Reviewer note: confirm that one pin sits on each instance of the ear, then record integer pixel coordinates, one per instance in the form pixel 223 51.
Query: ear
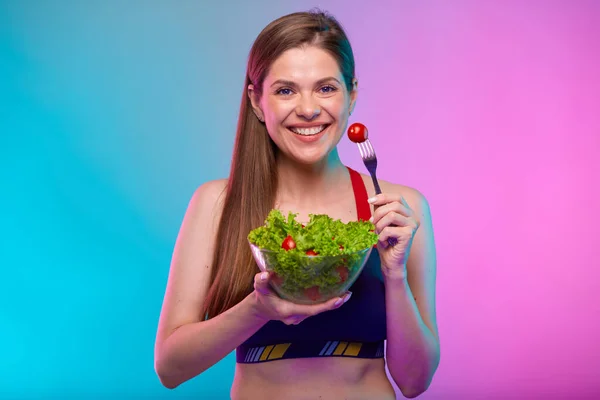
pixel 255 103
pixel 353 95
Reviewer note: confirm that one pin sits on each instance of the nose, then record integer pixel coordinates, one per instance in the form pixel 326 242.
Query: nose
pixel 308 108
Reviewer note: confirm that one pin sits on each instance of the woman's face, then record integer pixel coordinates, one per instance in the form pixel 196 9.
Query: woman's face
pixel 304 103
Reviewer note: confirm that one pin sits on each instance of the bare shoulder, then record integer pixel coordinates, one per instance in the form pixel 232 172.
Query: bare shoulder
pixel 200 224
pixel 204 210
pixel 209 196
pixel 415 199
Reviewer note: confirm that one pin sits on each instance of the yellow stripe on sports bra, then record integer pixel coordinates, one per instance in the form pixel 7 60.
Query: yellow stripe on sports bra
pixel 266 353
pixel 353 349
pixel 339 350
pixel 278 351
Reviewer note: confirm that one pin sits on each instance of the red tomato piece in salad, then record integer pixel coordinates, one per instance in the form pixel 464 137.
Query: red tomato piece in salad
pixel 288 243
pixel 312 293
pixel 276 279
pixel 343 272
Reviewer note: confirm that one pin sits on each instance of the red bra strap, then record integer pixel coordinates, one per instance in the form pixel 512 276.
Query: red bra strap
pixel 363 208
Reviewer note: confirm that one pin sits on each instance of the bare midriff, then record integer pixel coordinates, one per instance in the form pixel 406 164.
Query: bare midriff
pixel 332 378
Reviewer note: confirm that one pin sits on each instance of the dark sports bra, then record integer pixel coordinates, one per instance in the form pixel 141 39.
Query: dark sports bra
pixel 356 329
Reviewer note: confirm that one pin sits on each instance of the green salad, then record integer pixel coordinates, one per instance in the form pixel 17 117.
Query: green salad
pixel 314 260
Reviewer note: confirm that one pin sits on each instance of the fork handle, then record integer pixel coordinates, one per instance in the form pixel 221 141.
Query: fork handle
pixel 375 183
pixel 391 241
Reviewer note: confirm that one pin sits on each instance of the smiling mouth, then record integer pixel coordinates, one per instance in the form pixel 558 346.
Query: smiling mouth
pixel 315 130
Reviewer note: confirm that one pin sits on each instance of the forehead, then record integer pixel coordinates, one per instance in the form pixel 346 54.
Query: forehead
pixel 304 64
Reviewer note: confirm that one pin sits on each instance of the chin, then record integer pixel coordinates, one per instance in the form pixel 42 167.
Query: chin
pixel 311 158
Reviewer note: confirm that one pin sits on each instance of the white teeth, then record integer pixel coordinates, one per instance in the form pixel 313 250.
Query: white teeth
pixel 308 131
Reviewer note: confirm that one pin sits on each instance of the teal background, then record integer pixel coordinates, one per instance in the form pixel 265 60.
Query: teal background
pixel 112 113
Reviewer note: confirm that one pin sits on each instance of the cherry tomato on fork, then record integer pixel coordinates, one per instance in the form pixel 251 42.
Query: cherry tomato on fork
pixel 358 133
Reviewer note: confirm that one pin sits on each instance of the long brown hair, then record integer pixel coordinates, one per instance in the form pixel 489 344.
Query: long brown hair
pixel 252 184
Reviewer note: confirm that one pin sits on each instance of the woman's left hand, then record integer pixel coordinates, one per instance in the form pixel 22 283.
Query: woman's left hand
pixel 393 218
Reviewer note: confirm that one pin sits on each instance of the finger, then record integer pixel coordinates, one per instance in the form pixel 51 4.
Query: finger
pixel 403 201
pixel 261 283
pixel 392 219
pixel 331 304
pixel 398 233
pixel 395 206
pixel 384 198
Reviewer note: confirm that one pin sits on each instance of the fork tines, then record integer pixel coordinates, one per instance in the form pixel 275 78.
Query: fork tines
pixel 367 152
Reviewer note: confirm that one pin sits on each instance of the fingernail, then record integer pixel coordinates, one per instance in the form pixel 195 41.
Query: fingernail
pixel 372 200
pixel 371 219
pixel 347 297
pixel 338 302
pixel 264 276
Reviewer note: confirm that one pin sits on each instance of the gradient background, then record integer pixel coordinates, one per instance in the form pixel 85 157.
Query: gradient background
pixel 112 113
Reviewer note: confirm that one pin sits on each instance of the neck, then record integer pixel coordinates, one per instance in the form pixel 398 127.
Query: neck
pixel 310 184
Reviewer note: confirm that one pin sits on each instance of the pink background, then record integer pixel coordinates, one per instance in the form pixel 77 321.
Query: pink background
pixel 491 109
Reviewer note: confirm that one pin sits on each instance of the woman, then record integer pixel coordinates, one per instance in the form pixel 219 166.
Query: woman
pixel 300 89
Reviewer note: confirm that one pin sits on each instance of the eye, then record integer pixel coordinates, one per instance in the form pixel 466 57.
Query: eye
pixel 328 89
pixel 284 91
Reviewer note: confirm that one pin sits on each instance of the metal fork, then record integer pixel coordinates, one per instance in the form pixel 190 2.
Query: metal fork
pixel 367 153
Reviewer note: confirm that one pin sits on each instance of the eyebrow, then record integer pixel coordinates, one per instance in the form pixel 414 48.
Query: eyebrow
pixel 285 82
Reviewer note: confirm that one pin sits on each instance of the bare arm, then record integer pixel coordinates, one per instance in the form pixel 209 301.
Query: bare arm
pixel 195 347
pixel 185 346
pixel 413 350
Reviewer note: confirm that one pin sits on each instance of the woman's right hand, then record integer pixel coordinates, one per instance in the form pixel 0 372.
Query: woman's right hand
pixel 270 306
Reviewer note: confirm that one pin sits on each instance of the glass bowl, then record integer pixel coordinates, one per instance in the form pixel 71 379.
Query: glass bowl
pixel 308 279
